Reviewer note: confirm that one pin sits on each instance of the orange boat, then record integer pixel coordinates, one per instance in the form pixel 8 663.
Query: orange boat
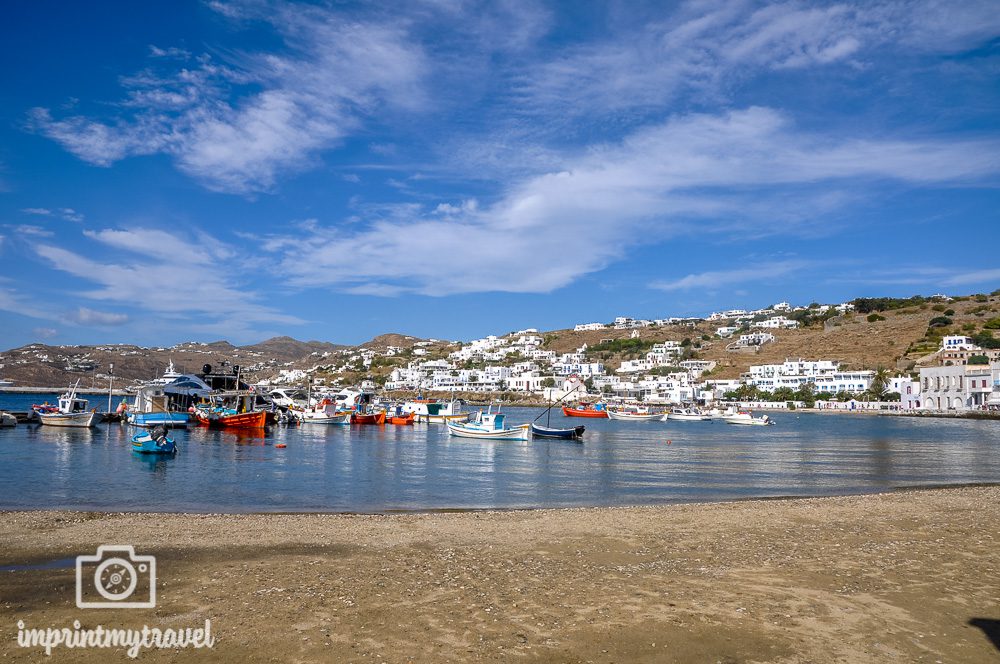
pixel 368 418
pixel 585 410
pixel 256 419
pixel 408 418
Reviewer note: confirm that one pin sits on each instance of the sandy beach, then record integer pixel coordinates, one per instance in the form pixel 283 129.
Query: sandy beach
pixel 907 576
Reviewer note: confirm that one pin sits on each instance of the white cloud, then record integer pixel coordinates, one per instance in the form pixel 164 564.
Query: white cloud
pixel 45 332
pixel 85 316
pixel 989 275
pixel 550 229
pixel 151 265
pixel 42 212
pixel 335 73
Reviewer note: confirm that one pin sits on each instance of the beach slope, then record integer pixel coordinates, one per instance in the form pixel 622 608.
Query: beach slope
pixel 904 576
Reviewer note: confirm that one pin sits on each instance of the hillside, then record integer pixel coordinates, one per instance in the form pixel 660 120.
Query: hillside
pixel 896 334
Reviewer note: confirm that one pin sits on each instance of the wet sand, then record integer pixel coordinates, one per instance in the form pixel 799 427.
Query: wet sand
pixel 907 576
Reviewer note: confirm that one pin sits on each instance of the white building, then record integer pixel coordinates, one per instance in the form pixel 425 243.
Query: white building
pixel 959 387
pixel 776 322
pixel 585 327
pixel 826 375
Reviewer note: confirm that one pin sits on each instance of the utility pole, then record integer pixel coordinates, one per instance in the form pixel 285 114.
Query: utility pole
pixel 111 381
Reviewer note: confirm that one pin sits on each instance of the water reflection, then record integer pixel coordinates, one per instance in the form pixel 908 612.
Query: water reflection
pixel 370 468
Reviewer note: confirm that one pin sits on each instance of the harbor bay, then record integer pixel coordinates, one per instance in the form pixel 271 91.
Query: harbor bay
pixel 421 467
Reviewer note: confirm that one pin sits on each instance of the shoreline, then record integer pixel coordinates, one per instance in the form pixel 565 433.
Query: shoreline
pixel 901 576
pixel 4 511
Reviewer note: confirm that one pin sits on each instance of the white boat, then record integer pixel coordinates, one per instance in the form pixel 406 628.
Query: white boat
pixel 71 412
pixel 325 412
pixel 5 383
pixel 748 419
pixel 436 412
pixel 7 420
pixel 633 415
pixel 290 397
pixel 488 426
pixel 686 415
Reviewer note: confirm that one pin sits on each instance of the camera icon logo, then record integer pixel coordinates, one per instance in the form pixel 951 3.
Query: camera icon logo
pixel 116 578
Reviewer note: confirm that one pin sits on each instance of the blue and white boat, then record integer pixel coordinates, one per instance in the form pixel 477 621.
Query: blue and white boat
pixel 154 441
pixel 489 426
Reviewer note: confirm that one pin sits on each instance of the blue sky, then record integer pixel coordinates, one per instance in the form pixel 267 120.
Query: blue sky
pixel 176 171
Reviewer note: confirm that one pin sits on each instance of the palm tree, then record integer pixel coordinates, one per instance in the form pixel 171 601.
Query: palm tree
pixel 880 384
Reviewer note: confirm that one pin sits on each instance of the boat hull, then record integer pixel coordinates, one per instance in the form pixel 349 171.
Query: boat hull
pixel 442 419
pixel 574 433
pixel 517 433
pixel 401 419
pixel 635 417
pixel 253 420
pixel 368 418
pixel 342 418
pixel 143 443
pixel 7 420
pixel 158 419
pixel 82 420
pixel 584 412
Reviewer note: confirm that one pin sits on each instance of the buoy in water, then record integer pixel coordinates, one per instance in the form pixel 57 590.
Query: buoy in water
pixel 281 446
pixel 669 442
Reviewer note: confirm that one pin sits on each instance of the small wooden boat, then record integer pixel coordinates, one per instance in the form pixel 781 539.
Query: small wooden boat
pixel 407 418
pixel 585 410
pixel 325 412
pixel 154 441
pixel 489 426
pixel 71 411
pixel 634 415
pixel 573 433
pixel 434 411
pixel 157 419
pixel 368 418
pixel 227 419
pixel 685 415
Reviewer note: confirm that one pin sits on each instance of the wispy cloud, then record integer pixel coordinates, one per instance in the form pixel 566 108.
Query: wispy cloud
pixel 45 332
pixel 85 316
pixel 655 184
pixel 975 277
pixel 148 267
pixel 335 71
pixel 715 279
pixel 69 214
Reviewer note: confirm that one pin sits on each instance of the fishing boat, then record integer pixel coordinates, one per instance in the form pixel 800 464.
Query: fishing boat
pixel 398 416
pixel 71 411
pixel 586 410
pixel 686 415
pixel 7 420
pixel 572 433
pixel 377 417
pixel 154 441
pixel 635 415
pixel 325 412
pixel 227 418
pixel 489 426
pixel 434 411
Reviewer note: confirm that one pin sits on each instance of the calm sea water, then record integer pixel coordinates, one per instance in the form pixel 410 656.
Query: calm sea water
pixel 371 469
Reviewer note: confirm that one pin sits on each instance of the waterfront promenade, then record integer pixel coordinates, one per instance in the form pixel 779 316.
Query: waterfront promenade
pixel 904 576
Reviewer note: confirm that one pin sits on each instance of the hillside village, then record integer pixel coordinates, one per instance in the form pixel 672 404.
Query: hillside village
pixel 869 349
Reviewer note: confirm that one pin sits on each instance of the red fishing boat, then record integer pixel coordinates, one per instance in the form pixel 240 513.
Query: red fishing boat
pixel 406 418
pixel 585 410
pixel 256 419
pixel 368 418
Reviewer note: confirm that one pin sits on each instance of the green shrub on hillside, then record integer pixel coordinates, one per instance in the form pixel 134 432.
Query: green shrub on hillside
pixel 872 318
